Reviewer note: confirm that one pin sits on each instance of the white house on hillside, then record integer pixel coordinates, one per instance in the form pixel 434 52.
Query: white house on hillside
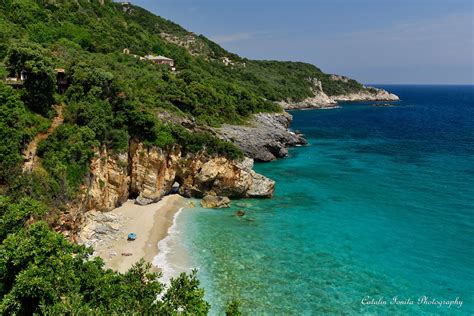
pixel 160 60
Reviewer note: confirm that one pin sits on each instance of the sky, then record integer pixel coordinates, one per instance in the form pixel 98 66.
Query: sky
pixel 373 41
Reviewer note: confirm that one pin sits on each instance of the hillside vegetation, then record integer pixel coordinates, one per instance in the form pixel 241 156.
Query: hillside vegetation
pixel 111 98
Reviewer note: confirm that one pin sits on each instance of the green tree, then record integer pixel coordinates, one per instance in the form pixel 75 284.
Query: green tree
pixel 31 60
pixel 185 295
pixel 13 216
pixel 12 131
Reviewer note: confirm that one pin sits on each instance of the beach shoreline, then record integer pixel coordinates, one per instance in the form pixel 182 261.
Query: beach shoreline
pixel 150 223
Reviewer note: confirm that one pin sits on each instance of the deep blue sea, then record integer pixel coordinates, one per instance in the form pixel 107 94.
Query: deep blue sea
pixel 379 206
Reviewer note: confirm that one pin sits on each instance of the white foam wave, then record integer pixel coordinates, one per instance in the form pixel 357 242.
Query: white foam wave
pixel 166 248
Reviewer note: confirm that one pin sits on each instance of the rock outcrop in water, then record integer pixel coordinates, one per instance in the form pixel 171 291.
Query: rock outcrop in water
pixel 148 174
pixel 266 138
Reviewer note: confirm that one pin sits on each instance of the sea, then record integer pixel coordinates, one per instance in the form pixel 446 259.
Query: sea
pixel 375 216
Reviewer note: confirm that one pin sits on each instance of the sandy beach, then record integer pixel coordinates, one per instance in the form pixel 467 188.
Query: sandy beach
pixel 151 224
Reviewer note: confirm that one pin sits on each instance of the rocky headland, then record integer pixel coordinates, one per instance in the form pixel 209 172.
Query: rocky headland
pixel 265 138
pixel 321 100
pixel 373 94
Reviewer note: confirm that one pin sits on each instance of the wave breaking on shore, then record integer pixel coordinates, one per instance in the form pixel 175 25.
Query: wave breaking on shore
pixel 172 257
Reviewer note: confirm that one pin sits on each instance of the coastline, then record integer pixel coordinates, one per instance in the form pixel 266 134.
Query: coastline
pixel 172 257
pixel 151 223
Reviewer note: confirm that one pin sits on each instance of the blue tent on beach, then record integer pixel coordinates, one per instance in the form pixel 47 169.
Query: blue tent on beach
pixel 132 236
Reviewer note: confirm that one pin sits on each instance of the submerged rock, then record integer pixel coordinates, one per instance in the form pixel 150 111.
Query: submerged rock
pixel 211 201
pixel 240 213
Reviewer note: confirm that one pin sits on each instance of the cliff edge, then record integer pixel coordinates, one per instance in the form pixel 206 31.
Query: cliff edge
pixel 148 173
pixel 265 138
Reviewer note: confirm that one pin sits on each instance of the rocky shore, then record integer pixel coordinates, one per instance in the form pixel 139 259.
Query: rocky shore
pixel 147 174
pixel 266 137
pixel 372 95
pixel 321 100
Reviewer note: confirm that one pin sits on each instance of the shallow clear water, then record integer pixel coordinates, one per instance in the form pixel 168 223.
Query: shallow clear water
pixel 380 204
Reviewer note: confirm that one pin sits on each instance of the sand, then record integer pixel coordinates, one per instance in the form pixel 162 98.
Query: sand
pixel 151 224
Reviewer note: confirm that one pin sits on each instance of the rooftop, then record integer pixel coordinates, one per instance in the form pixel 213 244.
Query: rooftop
pixel 153 57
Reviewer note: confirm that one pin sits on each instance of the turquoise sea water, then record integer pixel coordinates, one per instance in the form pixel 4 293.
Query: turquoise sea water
pixel 380 204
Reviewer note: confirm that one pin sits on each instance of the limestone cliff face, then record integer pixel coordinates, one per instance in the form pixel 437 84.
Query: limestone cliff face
pixel 109 181
pixel 320 100
pixel 152 172
pixel 148 174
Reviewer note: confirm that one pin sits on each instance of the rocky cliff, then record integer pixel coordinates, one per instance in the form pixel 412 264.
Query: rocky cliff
pixel 265 138
pixel 321 100
pixel 148 173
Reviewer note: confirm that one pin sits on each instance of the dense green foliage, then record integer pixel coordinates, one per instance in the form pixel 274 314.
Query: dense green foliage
pixel 17 127
pixel 40 84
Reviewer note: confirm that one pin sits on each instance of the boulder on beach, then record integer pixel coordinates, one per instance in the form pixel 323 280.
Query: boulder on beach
pixel 211 201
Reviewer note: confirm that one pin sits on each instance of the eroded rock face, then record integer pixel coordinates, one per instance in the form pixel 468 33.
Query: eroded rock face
pixel 212 201
pixel 148 174
pixel 152 172
pixel 109 181
pixel 266 138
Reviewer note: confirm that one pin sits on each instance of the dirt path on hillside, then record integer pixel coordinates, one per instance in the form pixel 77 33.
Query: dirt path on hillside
pixel 29 155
